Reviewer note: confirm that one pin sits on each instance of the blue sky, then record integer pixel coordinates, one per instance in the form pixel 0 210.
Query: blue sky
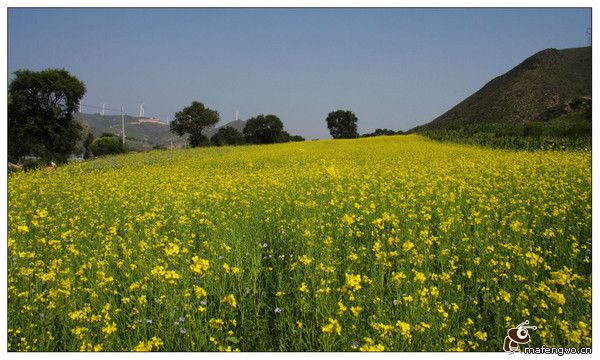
pixel 395 68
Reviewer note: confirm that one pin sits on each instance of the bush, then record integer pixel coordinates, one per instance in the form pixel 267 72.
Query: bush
pixel 227 136
pixel 107 145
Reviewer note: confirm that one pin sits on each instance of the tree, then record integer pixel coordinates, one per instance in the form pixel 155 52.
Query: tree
pixel 283 137
pixel 107 145
pixel 295 138
pixel 40 114
pixel 263 129
pixel 382 132
pixel 193 120
pixel 342 124
pixel 227 136
pixel 86 145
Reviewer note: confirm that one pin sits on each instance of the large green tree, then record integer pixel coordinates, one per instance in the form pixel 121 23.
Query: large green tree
pixel 193 120
pixel 342 124
pixel 263 129
pixel 227 136
pixel 40 114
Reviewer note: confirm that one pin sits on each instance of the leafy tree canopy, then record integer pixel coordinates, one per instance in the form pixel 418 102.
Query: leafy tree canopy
pixel 342 124
pixel 384 131
pixel 193 120
pixel 263 129
pixel 227 136
pixel 40 114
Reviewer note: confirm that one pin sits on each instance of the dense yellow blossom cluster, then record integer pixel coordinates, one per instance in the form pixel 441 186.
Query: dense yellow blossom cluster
pixel 393 243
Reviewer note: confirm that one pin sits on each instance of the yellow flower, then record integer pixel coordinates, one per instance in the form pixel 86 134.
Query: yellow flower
pixel 304 260
pixel 481 335
pixel 370 346
pixel 404 329
pixel 199 266
pixel 109 328
pixel 152 344
pixel 516 225
pixel 200 292
pixel 216 323
pixel 356 310
pixel 230 300
pixel 557 297
pixel 397 277
pixel 347 219
pixel 533 259
pixel 341 308
pixel 353 282
pixel 171 249
pixel 407 245
pixel 504 295
pixel 303 288
pixel 419 277
pixel 332 327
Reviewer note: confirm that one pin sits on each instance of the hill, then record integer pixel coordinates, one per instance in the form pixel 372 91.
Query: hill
pixel 547 79
pixel 143 135
pixel 236 124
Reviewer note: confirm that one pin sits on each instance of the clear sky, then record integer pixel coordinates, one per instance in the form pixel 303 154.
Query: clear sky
pixel 395 68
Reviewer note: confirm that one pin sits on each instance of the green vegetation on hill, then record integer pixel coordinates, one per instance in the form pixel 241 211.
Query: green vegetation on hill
pixel 569 131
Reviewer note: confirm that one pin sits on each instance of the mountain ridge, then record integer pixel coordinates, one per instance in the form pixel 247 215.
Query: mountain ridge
pixel 545 79
pixel 150 133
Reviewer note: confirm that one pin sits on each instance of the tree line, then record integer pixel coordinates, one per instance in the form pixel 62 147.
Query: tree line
pixel 41 124
pixel 193 120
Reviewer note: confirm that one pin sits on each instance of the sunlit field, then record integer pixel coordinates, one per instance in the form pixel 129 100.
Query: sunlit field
pixel 393 243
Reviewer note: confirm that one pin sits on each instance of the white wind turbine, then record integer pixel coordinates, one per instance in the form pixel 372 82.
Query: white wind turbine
pixel 141 109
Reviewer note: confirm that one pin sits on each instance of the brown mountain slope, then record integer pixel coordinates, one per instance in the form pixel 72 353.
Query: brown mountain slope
pixel 546 79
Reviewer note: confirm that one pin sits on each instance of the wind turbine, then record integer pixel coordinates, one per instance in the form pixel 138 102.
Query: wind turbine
pixel 141 109
pixel 103 109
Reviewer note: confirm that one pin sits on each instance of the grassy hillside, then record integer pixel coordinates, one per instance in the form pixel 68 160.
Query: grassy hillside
pixel 395 243
pixel 148 133
pixel 545 79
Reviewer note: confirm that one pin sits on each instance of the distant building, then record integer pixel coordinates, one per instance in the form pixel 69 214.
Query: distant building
pixel 153 120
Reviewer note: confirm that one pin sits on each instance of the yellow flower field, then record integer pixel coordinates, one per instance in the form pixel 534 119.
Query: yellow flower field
pixel 393 243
